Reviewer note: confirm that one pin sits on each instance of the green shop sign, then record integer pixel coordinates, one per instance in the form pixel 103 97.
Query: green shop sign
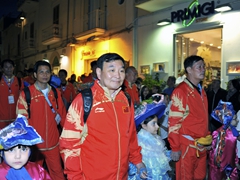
pixel 193 11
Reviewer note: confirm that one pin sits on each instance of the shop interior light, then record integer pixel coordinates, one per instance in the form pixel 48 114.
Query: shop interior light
pixel 223 8
pixel 164 22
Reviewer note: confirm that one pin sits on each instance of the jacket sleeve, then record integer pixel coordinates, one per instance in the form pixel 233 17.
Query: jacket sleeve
pixel 22 106
pixel 176 117
pixel 135 156
pixel 61 109
pixel 71 139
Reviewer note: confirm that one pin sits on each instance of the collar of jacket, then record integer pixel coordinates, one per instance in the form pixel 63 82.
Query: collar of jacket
pixel 105 90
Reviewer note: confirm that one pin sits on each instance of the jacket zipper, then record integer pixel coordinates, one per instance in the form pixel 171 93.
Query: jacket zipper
pixel 119 145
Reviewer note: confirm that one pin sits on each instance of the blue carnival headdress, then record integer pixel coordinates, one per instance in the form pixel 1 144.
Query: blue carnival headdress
pixel 19 133
pixel 146 110
pixel 224 113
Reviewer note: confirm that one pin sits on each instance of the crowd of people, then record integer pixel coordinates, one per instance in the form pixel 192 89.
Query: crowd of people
pixel 131 131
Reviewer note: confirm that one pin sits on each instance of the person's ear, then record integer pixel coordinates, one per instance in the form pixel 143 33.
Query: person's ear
pixel 98 72
pixel 189 69
pixel 35 75
pixel 144 126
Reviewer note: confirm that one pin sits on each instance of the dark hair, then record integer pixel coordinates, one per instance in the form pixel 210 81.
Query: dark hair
pixel 41 63
pixel 157 87
pixel 138 82
pixel 216 80
pixel 7 61
pixel 30 70
pixel 19 147
pixel 172 78
pixel 107 58
pixel 72 76
pixel 235 83
pixel 189 61
pixel 141 93
pixel 63 71
pixel 93 64
pixel 146 121
pixel 139 79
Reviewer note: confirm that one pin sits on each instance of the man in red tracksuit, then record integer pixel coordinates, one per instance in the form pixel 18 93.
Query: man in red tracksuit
pixel 188 123
pixel 46 112
pixel 67 89
pixel 102 147
pixel 129 84
pixel 10 88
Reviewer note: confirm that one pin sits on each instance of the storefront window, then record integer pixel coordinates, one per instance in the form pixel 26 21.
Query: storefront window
pixel 206 44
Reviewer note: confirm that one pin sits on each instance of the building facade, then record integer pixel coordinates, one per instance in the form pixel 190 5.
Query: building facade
pixel 72 33
pixel 69 33
pixel 194 27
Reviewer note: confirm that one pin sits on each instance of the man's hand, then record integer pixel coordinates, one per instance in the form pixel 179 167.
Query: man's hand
pixel 141 168
pixel 175 155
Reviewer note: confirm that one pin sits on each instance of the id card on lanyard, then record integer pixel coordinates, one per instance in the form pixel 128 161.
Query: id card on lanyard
pixel 11 99
pixel 9 83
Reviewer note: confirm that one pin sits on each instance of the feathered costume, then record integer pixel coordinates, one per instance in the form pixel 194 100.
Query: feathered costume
pixel 155 155
pixel 223 155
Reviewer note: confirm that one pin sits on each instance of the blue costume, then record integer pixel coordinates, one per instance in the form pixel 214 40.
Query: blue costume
pixel 155 155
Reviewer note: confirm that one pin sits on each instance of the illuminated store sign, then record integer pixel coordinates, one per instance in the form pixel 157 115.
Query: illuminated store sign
pixel 194 10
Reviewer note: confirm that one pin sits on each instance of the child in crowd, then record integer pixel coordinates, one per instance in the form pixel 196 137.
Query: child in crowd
pixel 15 142
pixel 223 158
pixel 144 93
pixel 155 155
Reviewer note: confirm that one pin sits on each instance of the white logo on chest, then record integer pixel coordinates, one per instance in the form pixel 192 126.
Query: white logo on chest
pixel 99 110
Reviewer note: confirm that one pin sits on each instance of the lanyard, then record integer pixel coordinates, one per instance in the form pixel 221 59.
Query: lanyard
pixel 48 101
pixel 200 88
pixel 8 82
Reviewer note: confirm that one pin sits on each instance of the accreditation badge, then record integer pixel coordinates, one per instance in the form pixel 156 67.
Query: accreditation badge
pixel 11 99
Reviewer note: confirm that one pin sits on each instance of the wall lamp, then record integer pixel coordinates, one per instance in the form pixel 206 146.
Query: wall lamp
pixel 22 16
pixel 223 8
pixel 164 22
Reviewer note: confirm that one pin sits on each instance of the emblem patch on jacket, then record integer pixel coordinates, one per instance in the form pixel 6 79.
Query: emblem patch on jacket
pixel 125 109
pixel 99 110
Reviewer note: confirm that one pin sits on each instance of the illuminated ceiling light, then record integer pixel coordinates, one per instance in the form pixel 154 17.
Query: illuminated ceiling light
pixel 219 47
pixel 202 42
pixel 164 22
pixel 223 8
pixel 191 39
pixel 211 44
pixel 183 43
pixel 177 41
